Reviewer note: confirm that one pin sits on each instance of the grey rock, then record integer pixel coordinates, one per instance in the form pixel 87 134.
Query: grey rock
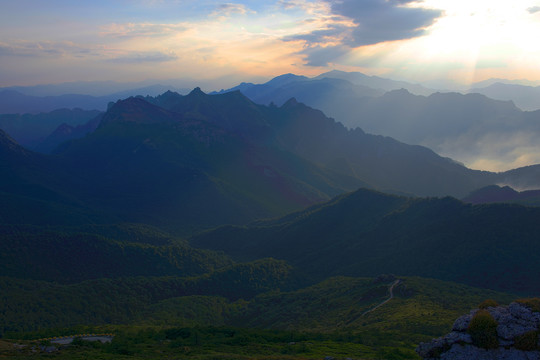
pixel 430 349
pixel 506 343
pixel 510 331
pixel 458 337
pixel 513 320
pixel 462 322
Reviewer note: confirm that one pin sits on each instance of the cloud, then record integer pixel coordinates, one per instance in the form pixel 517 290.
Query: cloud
pixel 381 20
pixel 45 49
pixel 144 57
pixel 533 10
pixel 308 7
pixel 71 50
pixel 131 30
pixel 229 9
pixel 355 24
pixel 322 56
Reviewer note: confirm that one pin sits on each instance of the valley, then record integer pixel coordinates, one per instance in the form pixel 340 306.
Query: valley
pixel 210 226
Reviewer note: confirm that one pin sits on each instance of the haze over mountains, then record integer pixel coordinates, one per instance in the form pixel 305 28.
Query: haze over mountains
pixel 477 130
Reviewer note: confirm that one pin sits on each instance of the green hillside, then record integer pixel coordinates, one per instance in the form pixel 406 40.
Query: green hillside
pixel 63 256
pixel 367 233
pixel 165 316
pixel 30 305
pixel 148 165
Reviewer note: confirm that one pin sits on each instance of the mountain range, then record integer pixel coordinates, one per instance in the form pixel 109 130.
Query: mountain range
pixel 186 223
pixel 479 131
pixel 13 101
pixel 526 97
pixel 179 154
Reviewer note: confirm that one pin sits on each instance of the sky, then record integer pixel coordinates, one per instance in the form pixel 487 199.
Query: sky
pixel 460 41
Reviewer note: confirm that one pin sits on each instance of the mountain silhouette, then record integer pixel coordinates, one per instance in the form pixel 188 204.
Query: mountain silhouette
pixel 179 169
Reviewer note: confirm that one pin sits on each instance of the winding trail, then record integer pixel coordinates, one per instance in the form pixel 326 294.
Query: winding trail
pixel 391 290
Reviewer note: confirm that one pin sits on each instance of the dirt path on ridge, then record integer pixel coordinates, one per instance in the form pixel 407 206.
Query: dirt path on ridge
pixel 391 290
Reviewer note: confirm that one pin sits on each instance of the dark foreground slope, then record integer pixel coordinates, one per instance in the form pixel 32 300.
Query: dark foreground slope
pixel 185 172
pixel 367 233
pixel 34 190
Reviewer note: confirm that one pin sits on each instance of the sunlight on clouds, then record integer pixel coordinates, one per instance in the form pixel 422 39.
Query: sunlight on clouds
pixel 314 8
pixel 224 11
pixel 227 39
pixel 472 41
pixel 476 34
pixel 140 30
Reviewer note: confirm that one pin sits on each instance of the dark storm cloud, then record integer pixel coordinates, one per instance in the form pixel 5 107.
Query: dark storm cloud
pixel 380 20
pixel 371 22
pixel 322 56
pixel 321 36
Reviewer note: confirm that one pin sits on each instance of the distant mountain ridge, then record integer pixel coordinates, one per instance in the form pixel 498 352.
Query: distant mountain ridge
pixel 525 97
pixel 472 128
pixel 15 102
pixel 376 82
pixel 30 130
pixel 505 194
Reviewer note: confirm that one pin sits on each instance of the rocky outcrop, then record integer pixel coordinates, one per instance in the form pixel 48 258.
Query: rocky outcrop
pixel 517 333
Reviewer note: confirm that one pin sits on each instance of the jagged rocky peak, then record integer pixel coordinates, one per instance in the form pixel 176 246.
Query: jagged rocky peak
pixel 136 110
pixel 196 92
pixel 291 103
pixel 491 333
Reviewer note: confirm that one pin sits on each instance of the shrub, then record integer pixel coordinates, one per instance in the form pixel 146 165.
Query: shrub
pixel 483 330
pixel 531 303
pixel 527 341
pixel 488 303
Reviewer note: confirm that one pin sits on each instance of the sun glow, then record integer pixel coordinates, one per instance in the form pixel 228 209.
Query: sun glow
pixel 471 41
pixel 481 35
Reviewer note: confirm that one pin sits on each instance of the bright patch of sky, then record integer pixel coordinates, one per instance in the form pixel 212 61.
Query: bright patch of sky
pixel 454 40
